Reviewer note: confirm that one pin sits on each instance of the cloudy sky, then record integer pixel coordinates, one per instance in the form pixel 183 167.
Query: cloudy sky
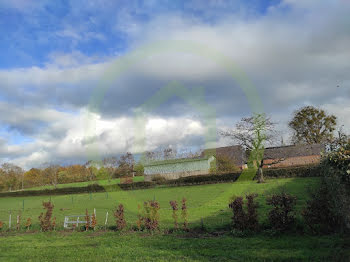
pixel 74 75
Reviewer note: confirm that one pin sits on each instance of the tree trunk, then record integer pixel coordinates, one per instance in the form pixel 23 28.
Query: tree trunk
pixel 260 174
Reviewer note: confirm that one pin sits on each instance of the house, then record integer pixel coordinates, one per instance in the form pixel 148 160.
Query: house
pixel 294 155
pixel 177 168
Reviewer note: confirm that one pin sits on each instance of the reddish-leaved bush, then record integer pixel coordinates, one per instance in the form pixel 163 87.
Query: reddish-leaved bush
pixel 45 220
pixel 119 217
pixel 281 216
pixel 245 220
pixel 151 218
pixel 174 207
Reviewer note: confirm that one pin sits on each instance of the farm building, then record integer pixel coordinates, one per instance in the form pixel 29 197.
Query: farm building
pixel 236 154
pixel 176 168
pixel 294 155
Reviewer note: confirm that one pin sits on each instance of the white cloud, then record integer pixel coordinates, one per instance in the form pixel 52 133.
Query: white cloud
pixel 294 58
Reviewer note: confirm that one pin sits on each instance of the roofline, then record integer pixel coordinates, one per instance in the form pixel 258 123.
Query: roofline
pixel 173 161
pixel 272 147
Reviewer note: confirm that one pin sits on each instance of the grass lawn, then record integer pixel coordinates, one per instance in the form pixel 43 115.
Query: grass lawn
pixel 83 184
pixel 110 246
pixel 207 202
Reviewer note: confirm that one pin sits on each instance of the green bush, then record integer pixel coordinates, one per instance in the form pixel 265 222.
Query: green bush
pixel 329 207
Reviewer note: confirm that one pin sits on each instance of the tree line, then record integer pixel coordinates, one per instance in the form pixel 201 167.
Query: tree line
pixel 309 125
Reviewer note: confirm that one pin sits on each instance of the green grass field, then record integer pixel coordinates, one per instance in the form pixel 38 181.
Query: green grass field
pixel 206 202
pixel 111 246
pixel 83 184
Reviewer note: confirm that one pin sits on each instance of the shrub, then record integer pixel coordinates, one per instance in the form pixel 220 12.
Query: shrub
pixel 329 208
pixel 184 214
pixel 252 213
pixel 93 221
pixel 281 217
pixel 87 219
pixel 126 180
pixel 239 216
pixel 223 164
pixel 317 214
pixel 28 223
pixel 54 223
pixel 119 216
pixel 139 218
pixel 151 218
pixel 301 171
pixel 245 220
pixel 45 221
pixel 174 207
pixel 158 179
pixel 1 225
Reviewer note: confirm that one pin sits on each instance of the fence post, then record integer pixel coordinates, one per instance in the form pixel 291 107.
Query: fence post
pixel 65 224
pixel 10 221
pixel 106 220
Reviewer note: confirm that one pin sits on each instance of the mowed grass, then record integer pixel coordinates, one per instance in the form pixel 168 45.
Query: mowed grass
pixel 110 246
pixel 205 202
pixel 83 184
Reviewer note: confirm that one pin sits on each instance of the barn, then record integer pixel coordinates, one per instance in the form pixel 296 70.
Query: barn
pixel 177 168
pixel 293 155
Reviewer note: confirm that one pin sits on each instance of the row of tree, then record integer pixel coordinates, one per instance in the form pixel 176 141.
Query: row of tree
pixel 309 125
pixel 13 177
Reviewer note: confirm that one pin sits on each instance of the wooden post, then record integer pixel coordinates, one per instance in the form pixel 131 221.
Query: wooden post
pixel 106 220
pixel 77 223
pixel 65 225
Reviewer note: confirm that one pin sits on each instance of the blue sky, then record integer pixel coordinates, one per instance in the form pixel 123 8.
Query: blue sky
pixel 54 55
pixel 31 31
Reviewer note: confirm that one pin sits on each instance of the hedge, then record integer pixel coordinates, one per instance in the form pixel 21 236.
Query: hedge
pixel 301 171
pixel 306 171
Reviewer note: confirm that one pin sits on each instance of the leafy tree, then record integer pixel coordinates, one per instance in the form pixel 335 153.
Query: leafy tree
pixel 12 176
pixel 139 169
pixel 110 164
pixel 102 174
pixel 253 133
pixel 33 177
pixel 312 125
pixel 223 164
pixel 51 172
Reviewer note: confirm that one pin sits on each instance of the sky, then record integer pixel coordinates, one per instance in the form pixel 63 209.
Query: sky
pixel 75 76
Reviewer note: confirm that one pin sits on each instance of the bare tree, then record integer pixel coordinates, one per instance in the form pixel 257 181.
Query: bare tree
pixel 253 134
